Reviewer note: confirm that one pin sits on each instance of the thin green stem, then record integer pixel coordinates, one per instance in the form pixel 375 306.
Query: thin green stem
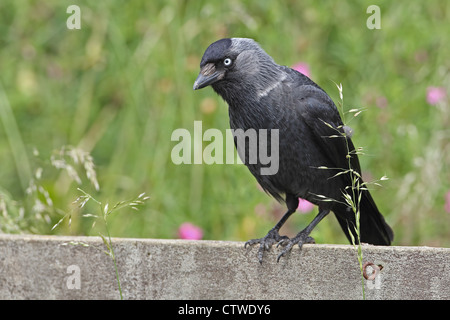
pixel 354 201
pixel 113 256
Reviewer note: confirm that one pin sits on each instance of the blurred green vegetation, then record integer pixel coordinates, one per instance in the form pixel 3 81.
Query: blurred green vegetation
pixel 118 88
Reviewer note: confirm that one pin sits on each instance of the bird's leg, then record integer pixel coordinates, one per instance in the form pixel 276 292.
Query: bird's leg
pixel 273 235
pixel 303 236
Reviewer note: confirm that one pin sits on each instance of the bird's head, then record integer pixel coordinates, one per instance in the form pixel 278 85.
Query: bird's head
pixel 232 60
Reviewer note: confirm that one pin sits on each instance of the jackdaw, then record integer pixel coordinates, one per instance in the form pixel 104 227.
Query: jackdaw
pixel 317 159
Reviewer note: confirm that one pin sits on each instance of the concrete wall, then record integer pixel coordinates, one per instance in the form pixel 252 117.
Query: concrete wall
pixel 43 267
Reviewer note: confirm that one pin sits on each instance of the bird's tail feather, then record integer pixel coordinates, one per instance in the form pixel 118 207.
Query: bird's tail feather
pixel 373 227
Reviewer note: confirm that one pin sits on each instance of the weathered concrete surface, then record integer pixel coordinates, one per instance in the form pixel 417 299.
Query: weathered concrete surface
pixel 42 267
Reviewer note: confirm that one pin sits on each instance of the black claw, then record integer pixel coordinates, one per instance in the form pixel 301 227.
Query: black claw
pixel 287 249
pixel 266 243
pixel 299 239
pixel 280 255
pixel 283 241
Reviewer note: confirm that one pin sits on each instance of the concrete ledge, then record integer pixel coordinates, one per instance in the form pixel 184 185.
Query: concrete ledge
pixel 41 267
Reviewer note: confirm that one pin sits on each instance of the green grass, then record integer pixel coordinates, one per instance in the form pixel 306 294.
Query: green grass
pixel 118 87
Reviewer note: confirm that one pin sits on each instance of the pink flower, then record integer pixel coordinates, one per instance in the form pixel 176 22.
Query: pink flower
pixel 189 231
pixel 304 206
pixel 447 202
pixel 435 95
pixel 302 68
pixel 381 102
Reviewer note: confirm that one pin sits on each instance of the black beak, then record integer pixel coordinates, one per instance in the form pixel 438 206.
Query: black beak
pixel 208 75
pixel 204 81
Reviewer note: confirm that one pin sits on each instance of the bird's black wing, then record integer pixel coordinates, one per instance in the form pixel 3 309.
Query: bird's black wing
pixel 322 118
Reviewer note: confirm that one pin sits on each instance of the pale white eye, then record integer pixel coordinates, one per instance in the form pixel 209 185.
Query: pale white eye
pixel 227 62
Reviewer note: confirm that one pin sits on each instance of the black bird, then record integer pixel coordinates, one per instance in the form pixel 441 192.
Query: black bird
pixel 317 159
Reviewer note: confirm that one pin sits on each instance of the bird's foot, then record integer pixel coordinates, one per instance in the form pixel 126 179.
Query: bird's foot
pixel 266 243
pixel 299 239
